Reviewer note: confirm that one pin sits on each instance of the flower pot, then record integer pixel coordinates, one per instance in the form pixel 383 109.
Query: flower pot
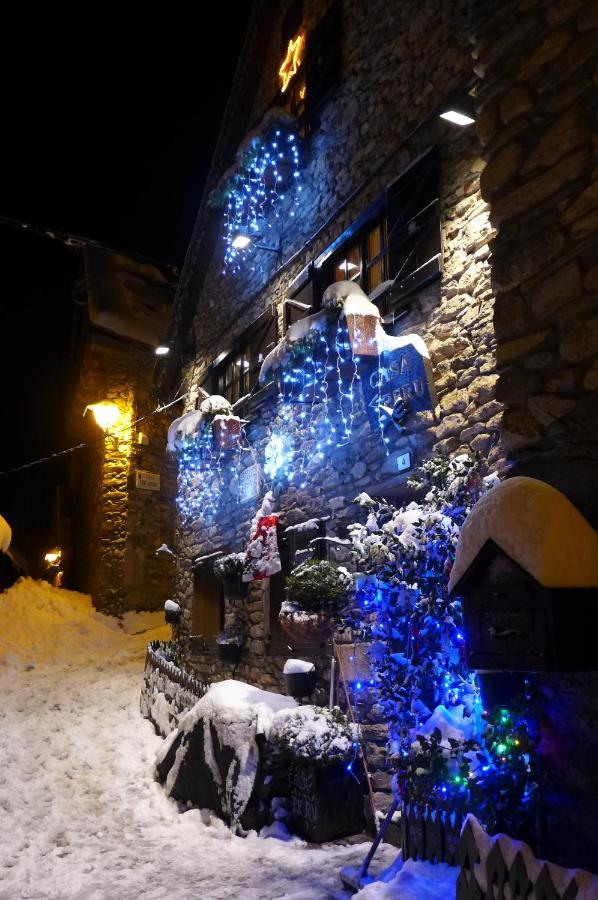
pixel 300 684
pixel 227 432
pixel 362 334
pixel 307 628
pixel 171 617
pixel 230 653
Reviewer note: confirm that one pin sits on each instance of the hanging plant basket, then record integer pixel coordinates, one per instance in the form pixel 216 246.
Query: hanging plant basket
pixel 362 333
pixel 307 628
pixel 227 432
pixel 230 653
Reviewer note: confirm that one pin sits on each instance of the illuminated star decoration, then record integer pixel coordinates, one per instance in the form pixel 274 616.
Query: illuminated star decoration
pixel 393 415
pixel 291 62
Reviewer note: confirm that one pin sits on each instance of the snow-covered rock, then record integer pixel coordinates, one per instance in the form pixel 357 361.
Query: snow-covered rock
pixel 213 756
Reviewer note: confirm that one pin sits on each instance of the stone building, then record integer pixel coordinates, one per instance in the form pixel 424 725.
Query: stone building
pixel 117 516
pixel 479 239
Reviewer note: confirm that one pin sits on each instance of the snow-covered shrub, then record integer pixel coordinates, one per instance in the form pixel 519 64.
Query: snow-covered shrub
pixel 229 566
pixel 318 586
pixel 215 405
pixel 315 734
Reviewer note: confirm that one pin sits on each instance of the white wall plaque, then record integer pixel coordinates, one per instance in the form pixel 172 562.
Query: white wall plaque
pixel 147 481
pixel 249 483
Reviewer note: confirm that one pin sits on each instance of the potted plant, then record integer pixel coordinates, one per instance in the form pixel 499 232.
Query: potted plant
pixel 172 612
pixel 229 569
pixel 316 593
pixel 230 646
pixel 321 748
pixel 226 427
pixel 300 677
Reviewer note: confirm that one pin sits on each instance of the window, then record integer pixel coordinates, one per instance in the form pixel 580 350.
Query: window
pixel 395 247
pixel 233 380
pixel 366 260
pixel 238 372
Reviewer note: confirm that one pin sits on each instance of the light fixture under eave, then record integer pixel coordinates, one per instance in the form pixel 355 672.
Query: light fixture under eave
pixel 456 117
pixel 162 350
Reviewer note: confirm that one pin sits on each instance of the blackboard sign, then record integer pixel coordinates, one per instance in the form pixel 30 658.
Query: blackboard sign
pixel 400 379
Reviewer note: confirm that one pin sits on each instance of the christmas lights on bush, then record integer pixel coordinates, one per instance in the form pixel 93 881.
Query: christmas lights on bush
pixel 444 745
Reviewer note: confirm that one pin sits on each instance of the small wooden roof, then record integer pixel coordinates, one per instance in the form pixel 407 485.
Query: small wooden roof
pixel 537 527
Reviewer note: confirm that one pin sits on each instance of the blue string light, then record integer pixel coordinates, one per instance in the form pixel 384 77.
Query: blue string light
pixel 258 187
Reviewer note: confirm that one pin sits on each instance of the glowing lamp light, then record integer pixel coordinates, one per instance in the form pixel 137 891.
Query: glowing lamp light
pixel 53 557
pixel 105 413
pixel 241 241
pixel 456 117
pixel 162 350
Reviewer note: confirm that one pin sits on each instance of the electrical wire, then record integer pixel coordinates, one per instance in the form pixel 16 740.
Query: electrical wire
pixel 109 434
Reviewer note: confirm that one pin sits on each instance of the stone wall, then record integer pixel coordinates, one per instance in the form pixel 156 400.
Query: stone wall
pixel 382 118
pixel 116 526
pixel 538 123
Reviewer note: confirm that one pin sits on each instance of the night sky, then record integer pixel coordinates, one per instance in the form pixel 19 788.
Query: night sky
pixel 109 117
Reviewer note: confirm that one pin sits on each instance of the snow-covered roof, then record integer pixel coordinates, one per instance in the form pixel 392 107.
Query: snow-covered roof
pixel 538 528
pixel 5 535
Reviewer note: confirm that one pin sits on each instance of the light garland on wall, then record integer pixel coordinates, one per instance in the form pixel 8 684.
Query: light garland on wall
pixel 267 174
pixel 200 480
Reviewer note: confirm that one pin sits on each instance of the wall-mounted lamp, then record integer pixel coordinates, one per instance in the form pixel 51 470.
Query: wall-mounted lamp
pixel 53 557
pixel 106 415
pixel 242 240
pixel 458 110
pixel 162 350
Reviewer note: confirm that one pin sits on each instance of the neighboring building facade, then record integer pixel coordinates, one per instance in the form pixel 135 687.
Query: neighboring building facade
pixel 117 518
pixel 407 204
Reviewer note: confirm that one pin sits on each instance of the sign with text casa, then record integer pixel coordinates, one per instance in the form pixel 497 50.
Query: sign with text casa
pixel 399 383
pixel 147 481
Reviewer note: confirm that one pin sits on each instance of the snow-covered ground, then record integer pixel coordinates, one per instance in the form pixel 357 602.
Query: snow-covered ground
pixel 81 815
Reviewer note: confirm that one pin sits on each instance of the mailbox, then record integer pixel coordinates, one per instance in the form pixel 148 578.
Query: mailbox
pixel 526 569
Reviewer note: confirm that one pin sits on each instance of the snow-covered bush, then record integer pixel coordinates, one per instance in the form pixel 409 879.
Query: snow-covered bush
pixel 318 586
pixel 229 566
pixel 315 734
pixel 215 405
pixel 441 744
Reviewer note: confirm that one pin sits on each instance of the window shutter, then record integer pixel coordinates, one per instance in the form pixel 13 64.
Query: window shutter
pixel 413 228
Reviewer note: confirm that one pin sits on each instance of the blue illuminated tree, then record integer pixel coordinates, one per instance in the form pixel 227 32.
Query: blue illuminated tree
pixel 443 744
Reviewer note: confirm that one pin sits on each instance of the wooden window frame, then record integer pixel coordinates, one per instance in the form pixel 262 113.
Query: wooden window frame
pixel 244 349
